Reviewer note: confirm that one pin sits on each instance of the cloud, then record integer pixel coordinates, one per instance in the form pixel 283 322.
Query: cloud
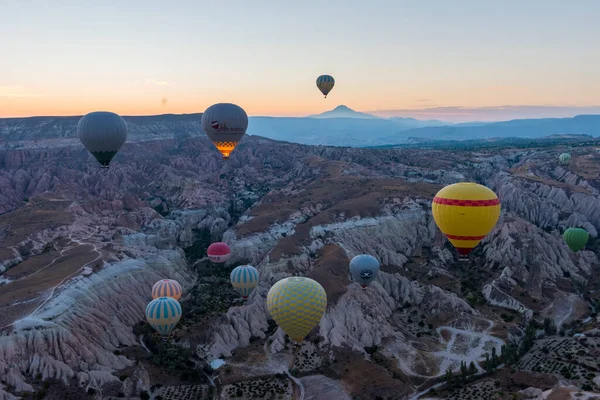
pixel 424 100
pixel 16 91
pixel 154 82
pixel 487 114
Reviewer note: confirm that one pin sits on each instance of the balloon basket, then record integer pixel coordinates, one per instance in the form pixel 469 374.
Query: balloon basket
pixel 296 346
pixel 164 338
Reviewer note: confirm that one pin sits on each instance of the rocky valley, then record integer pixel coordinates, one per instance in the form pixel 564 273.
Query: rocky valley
pixel 80 249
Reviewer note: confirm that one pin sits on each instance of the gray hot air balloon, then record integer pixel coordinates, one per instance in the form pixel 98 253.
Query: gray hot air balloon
pixel 102 133
pixel 225 124
pixel 364 269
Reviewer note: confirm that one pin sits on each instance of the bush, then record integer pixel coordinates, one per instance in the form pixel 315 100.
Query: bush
pixel 144 395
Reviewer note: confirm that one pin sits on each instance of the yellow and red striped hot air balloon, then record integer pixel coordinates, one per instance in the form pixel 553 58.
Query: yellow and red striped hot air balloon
pixel 465 212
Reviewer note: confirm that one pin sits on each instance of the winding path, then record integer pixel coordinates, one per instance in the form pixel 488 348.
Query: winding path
pixel 95 249
pixel 298 383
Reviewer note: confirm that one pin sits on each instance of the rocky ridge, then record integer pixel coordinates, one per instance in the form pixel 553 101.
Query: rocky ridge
pixel 142 214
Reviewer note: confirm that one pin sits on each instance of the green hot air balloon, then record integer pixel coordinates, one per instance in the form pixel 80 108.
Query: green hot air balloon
pixel 564 158
pixel 576 238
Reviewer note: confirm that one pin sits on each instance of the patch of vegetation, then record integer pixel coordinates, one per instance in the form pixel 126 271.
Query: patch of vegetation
pixel 202 239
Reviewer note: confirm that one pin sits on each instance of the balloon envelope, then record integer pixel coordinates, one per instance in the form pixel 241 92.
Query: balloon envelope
pixel 297 305
pixel 465 212
pixel 218 252
pixel 163 314
pixel 167 288
pixel 244 279
pixel 364 269
pixel 225 124
pixel 576 238
pixel 103 134
pixel 325 83
pixel 564 158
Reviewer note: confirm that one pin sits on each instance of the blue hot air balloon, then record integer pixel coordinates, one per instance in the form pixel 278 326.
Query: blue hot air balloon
pixel 364 269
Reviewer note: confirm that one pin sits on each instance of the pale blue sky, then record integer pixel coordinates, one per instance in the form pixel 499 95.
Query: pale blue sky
pixel 145 57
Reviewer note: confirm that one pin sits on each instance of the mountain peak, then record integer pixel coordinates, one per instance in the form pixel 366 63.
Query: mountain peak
pixel 343 111
pixel 342 107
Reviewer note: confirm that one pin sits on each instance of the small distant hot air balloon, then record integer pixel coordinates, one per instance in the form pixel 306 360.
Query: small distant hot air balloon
pixel 167 288
pixel 297 305
pixel 218 252
pixel 103 134
pixel 225 124
pixel 465 212
pixel 364 269
pixel 163 314
pixel 576 238
pixel 564 158
pixel 325 83
pixel 244 279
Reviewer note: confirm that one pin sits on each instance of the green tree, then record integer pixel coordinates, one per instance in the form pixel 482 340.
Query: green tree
pixel 464 371
pixel 472 368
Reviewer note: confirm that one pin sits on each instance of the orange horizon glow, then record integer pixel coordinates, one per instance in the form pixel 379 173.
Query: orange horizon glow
pixel 70 57
pixel 305 100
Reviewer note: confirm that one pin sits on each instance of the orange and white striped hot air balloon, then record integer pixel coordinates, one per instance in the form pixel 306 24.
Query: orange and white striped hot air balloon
pixel 465 212
pixel 167 288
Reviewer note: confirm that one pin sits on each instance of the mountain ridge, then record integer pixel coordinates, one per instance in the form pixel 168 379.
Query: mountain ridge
pixel 339 131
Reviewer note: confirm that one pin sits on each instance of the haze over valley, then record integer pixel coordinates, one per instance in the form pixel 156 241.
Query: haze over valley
pixel 83 248
pixel 358 200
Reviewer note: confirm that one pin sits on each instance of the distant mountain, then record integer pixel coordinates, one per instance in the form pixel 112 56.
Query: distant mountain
pixel 344 112
pixel 336 131
pixel 520 128
pixel 417 123
pixel 355 132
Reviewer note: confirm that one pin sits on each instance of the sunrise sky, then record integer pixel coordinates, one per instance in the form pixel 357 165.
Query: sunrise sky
pixel 426 58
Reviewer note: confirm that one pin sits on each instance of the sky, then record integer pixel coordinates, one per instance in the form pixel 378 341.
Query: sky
pixel 453 60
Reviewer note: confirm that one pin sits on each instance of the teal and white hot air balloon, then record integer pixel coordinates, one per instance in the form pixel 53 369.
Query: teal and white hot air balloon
pixel 103 134
pixel 244 279
pixel 364 269
pixel 163 314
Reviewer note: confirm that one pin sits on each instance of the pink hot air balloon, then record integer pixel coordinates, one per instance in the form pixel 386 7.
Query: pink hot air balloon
pixel 218 252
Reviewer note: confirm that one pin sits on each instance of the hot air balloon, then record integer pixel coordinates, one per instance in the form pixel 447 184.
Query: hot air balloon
pixel 244 279
pixel 103 134
pixel 564 158
pixel 225 124
pixel 163 314
pixel 218 252
pixel 297 305
pixel 167 288
pixel 465 212
pixel 576 238
pixel 325 83
pixel 364 269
